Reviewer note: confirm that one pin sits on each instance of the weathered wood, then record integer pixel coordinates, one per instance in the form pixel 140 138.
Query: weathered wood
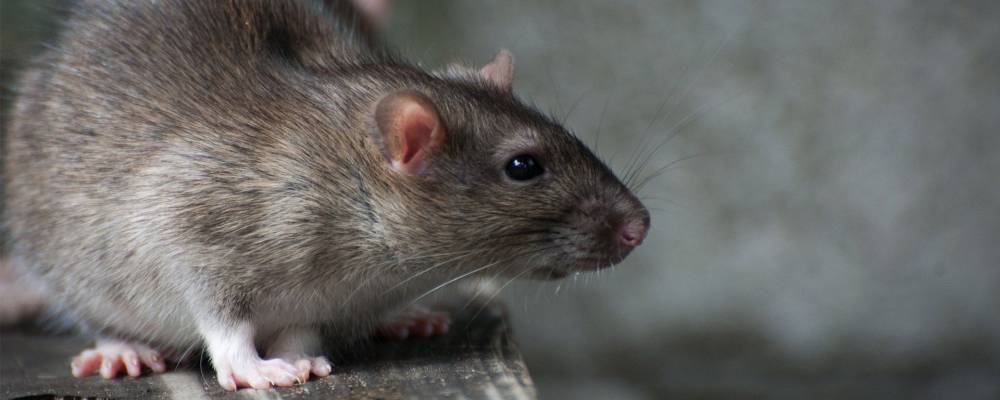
pixel 476 360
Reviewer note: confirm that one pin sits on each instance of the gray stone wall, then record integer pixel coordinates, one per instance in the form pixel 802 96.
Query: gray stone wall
pixel 838 231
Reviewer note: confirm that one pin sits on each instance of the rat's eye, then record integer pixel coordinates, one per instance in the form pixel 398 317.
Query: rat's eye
pixel 523 167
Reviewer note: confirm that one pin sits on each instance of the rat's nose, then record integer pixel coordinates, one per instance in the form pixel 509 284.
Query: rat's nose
pixel 632 231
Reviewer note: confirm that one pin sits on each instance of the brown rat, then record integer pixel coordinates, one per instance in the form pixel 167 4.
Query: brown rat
pixel 238 174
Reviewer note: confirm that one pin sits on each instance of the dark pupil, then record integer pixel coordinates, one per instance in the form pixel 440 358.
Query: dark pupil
pixel 523 167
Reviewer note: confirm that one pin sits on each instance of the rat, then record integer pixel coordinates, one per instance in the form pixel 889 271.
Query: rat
pixel 258 178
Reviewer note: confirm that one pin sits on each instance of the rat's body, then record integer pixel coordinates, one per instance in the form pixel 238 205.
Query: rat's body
pixel 240 174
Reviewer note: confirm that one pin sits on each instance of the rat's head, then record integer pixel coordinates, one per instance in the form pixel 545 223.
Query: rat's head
pixel 496 185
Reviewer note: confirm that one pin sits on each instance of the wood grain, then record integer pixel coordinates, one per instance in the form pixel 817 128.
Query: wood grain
pixel 478 359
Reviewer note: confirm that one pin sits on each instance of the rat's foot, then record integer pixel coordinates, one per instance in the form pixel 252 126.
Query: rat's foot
pixel 114 356
pixel 295 345
pixel 237 363
pixel 416 321
pixel 255 373
pixel 306 365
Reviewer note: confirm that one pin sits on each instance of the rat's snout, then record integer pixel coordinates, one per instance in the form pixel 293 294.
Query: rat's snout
pixel 617 225
pixel 632 226
pixel 632 231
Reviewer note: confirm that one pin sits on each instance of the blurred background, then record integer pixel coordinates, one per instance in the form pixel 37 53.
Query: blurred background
pixel 825 189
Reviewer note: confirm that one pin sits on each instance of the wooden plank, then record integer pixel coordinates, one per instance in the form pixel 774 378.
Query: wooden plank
pixel 478 359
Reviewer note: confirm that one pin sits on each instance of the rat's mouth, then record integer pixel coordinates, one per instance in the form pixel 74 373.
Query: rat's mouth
pixel 548 273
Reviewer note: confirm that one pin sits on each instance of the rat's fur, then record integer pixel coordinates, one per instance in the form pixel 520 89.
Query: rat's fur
pixel 173 164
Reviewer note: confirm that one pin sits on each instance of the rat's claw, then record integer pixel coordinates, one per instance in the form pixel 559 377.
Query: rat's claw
pixel 152 359
pixel 257 374
pixel 110 367
pixel 110 357
pixel 131 360
pixel 295 346
pixel 321 366
pixel 226 380
pixel 305 365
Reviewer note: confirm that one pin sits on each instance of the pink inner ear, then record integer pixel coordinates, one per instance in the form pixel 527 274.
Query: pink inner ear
pixel 416 133
pixel 408 130
pixel 416 137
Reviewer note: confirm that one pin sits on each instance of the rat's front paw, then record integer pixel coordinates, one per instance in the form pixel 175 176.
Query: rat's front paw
pixel 112 357
pixel 305 365
pixel 416 321
pixel 256 373
pixel 294 346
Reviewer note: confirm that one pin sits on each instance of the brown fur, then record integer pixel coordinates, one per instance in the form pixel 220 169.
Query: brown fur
pixel 171 162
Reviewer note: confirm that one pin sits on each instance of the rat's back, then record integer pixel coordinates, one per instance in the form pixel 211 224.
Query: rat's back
pixel 143 113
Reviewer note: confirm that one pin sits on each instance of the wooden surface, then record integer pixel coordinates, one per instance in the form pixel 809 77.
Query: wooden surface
pixel 476 360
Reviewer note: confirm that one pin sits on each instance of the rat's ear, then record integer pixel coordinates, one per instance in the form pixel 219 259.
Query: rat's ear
pixel 500 71
pixel 408 130
pixel 373 11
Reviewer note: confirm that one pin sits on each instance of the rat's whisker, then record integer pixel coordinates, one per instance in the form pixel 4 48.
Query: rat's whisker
pixel 374 275
pixel 497 292
pixel 485 248
pixel 555 87
pixel 525 217
pixel 597 135
pixel 573 106
pixel 701 72
pixel 631 166
pixel 455 279
pixel 462 276
pixel 479 290
pixel 659 171
pixel 645 136
pixel 184 355
pixel 634 169
pixel 678 127
pixel 432 267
